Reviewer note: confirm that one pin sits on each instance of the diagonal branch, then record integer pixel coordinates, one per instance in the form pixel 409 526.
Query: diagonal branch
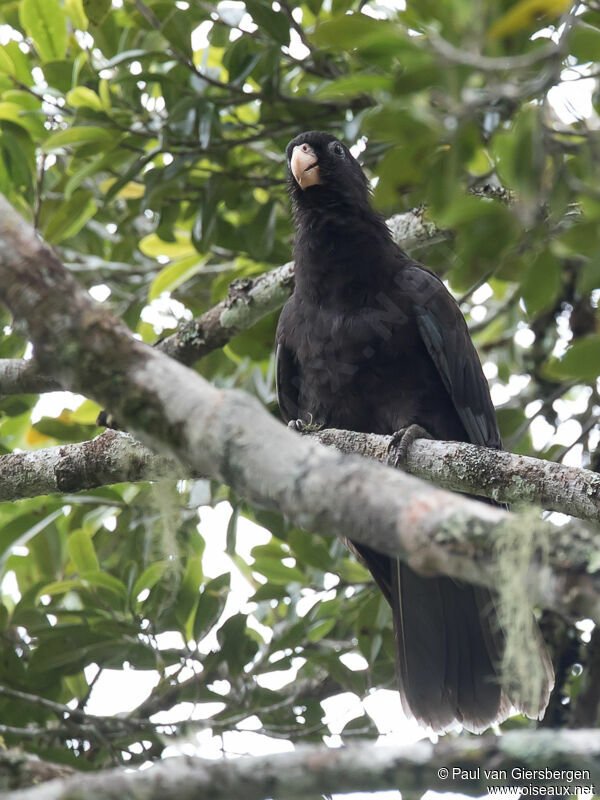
pixel 247 302
pixel 229 436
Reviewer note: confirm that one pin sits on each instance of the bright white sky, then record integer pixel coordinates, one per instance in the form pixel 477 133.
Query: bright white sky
pixel 121 690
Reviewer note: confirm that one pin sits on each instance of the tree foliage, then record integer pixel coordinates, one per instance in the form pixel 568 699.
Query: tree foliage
pixel 146 141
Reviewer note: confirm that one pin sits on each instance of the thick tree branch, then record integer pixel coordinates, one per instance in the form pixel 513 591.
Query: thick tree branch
pixel 18 770
pixel 110 458
pixel 505 477
pixel 248 300
pixel 457 765
pixel 501 476
pixel 229 436
pixel 22 376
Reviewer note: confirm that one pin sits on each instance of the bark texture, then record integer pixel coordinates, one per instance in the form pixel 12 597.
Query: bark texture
pixel 248 300
pixel 116 457
pixel 227 435
pixel 112 457
pixel 499 475
pixel 455 765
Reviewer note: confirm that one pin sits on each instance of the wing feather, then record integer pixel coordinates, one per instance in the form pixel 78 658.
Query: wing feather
pixel 446 336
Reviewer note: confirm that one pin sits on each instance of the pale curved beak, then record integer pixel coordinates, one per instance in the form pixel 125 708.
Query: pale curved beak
pixel 305 166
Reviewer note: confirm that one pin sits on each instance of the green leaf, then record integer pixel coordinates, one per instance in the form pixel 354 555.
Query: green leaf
pixel 210 605
pixel 189 594
pixel 64 430
pixel 176 274
pixel 6 63
pixel 75 12
pixel 237 648
pixel 21 65
pixel 352 85
pixel 580 362
pixel 102 580
pixel 320 630
pixel 22 529
pixel 509 420
pixel 82 97
pixel 59 587
pixel 149 578
pixel 310 549
pixel 520 153
pixel 542 283
pixel 275 23
pixel 80 135
pixel 584 42
pixel 353 572
pixel 277 572
pixel 44 21
pixel 13 112
pixel 96 10
pixel 349 31
pixel 70 217
pixel 81 550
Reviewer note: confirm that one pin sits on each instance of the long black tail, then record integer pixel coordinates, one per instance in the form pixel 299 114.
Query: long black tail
pixel 449 649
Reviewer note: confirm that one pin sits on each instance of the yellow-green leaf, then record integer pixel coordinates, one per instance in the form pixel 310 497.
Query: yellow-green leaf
pixel 6 62
pixel 188 595
pixel 153 246
pixel 82 97
pixel 44 21
pixel 102 580
pixel 76 14
pixel 149 578
pixel 15 113
pixel 82 134
pixel 525 13
pixel 320 630
pixel 174 274
pixel 104 90
pixel 81 550
pixel 70 217
pixel 58 587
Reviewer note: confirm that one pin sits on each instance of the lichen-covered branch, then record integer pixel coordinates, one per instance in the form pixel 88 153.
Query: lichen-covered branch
pixel 469 766
pixel 501 476
pixel 248 300
pixel 227 435
pixel 22 376
pixel 110 458
pixel 18 770
pixel 461 467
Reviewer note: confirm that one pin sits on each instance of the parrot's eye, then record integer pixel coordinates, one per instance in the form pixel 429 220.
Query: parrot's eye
pixel 337 148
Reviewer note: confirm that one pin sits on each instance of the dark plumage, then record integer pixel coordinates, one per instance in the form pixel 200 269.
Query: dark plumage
pixel 372 341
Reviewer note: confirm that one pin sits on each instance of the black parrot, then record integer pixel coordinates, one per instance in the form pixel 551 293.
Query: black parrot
pixel 372 341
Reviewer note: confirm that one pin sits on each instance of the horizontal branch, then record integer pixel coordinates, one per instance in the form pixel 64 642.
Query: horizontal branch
pixel 18 770
pixel 482 471
pixel 110 458
pixel 452 765
pixel 454 55
pixel 22 376
pixel 227 435
pixel 505 477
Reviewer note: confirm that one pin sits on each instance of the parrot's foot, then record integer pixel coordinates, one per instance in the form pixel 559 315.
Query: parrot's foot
pixel 305 427
pixel 400 444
